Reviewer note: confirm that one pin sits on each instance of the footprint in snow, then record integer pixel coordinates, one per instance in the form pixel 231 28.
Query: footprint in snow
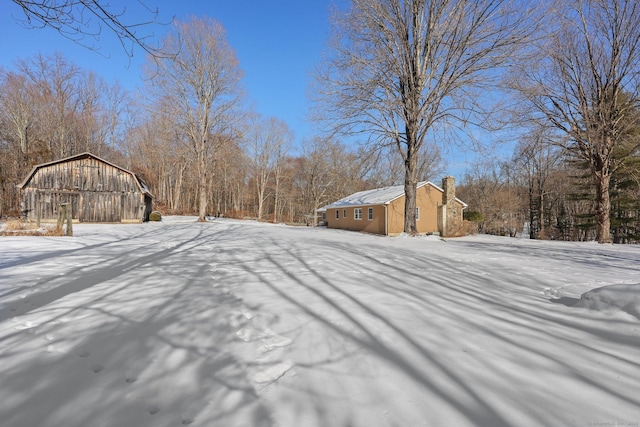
pixel 83 353
pixel 96 368
pixel 130 378
pixel 153 409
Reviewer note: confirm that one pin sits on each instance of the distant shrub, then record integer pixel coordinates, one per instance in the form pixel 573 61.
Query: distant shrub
pixel 469 228
pixel 464 228
pixel 155 216
pixel 238 214
pixel 474 216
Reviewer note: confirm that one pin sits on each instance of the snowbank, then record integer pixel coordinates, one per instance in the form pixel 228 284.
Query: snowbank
pixel 612 297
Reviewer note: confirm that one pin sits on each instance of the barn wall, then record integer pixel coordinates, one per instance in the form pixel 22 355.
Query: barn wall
pixel 97 191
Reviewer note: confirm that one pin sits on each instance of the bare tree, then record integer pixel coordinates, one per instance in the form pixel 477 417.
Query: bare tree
pixel 18 135
pixel 117 107
pixel 537 159
pixel 57 81
pixel 69 107
pixel 231 171
pixel 585 81
pixel 267 142
pixel 18 108
pixel 202 84
pixel 84 21
pixel 387 167
pixel 158 152
pixel 315 177
pixel 49 108
pixel 492 190
pixel 92 126
pixel 328 171
pixel 402 67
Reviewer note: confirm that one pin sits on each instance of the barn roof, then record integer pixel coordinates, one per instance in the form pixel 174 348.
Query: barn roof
pixel 143 187
pixel 378 196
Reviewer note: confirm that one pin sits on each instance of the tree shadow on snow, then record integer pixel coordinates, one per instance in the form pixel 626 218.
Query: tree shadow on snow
pixel 142 339
pixel 568 301
pixel 437 347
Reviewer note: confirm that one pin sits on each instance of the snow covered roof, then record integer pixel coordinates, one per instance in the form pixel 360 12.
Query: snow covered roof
pixel 378 196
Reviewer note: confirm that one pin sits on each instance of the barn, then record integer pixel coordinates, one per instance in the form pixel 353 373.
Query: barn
pixel 97 190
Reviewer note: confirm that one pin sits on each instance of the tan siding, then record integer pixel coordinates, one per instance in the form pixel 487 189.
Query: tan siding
pixel 376 225
pixel 429 199
pixel 396 216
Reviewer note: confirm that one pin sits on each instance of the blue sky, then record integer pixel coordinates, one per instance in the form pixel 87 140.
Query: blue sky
pixel 278 42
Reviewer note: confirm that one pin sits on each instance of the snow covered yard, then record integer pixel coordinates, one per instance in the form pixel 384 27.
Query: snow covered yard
pixel 234 323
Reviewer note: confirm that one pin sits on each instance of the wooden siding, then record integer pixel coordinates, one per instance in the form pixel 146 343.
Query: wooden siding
pixel 97 191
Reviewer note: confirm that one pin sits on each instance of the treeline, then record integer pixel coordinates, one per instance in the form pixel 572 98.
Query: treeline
pixel 544 192
pixel 51 109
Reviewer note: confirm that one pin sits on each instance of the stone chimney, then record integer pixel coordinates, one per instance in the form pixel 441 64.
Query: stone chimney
pixel 449 187
pixel 450 209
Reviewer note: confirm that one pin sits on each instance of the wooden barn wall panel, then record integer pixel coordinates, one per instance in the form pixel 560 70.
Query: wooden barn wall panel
pixel 83 174
pixel 97 191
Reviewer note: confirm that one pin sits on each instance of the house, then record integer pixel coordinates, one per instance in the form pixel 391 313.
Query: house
pixel 381 211
pixel 97 190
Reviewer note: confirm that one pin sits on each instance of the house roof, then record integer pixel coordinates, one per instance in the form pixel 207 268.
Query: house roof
pixel 378 196
pixel 86 155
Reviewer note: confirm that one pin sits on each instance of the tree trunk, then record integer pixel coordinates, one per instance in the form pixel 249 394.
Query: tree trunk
pixel 410 184
pixel 541 233
pixel 260 201
pixel 533 215
pixel 202 184
pixel 276 195
pixel 178 186
pixel 603 207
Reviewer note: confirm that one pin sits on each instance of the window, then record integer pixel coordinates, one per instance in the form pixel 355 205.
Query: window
pixel 417 214
pixel 370 214
pixel 344 213
pixel 337 213
pixel 324 216
pixel 357 213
